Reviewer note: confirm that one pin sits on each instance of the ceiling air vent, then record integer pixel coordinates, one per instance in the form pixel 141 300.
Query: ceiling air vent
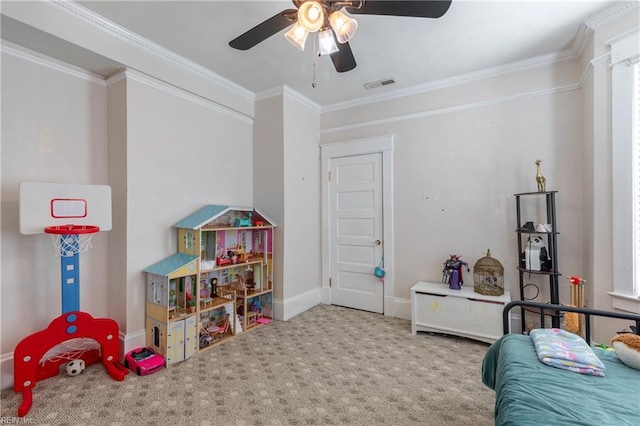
pixel 379 83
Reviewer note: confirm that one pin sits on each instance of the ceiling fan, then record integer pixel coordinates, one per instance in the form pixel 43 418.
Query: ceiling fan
pixel 327 19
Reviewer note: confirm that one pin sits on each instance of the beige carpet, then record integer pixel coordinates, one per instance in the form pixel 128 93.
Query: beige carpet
pixel 327 366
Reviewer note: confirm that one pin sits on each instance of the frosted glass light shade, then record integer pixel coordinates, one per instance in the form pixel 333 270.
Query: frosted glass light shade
pixel 344 26
pixel 327 45
pixel 311 16
pixel 297 36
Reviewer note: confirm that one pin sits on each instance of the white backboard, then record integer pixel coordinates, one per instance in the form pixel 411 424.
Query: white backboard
pixel 51 204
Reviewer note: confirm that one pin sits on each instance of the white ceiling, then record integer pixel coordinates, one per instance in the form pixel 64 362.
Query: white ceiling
pixel 472 36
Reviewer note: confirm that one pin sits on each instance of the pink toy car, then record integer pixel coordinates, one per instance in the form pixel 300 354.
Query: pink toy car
pixel 144 361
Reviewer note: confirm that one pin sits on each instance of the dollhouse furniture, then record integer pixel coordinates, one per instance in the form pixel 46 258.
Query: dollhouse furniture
pixel 437 308
pixel 529 392
pixel 195 298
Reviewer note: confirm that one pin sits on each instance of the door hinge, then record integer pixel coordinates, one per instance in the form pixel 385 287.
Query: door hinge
pixel 329 176
pixel 329 282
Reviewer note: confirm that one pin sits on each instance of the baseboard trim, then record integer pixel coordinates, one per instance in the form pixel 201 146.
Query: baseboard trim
pixel 131 341
pixel 284 310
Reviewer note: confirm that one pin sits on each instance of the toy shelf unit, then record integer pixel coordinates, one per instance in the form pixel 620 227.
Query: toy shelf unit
pixel 437 308
pixel 537 237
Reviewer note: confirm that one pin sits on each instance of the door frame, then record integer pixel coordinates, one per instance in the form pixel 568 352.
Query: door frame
pixel 379 144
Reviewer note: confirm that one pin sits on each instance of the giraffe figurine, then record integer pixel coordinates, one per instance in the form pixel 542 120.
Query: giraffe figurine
pixel 540 180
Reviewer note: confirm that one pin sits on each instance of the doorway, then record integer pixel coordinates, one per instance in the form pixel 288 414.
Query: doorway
pixel 357 223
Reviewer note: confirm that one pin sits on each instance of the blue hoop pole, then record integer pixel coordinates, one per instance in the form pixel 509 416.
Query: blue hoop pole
pixel 70 276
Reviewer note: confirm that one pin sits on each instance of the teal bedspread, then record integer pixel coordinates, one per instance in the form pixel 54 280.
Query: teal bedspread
pixel 529 392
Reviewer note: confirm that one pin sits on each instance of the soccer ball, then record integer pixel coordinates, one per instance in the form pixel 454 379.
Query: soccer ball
pixel 74 367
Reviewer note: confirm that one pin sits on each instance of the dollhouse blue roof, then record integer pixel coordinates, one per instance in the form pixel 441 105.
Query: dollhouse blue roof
pixel 211 212
pixel 170 264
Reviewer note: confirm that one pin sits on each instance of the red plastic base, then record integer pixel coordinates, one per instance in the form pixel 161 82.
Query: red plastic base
pixel 72 325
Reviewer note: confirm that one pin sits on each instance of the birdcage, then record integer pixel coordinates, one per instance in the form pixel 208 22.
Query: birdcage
pixel 488 276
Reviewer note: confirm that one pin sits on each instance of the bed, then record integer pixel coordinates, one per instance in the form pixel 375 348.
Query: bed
pixel 529 392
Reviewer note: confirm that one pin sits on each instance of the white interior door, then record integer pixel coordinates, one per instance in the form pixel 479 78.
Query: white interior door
pixel 356 231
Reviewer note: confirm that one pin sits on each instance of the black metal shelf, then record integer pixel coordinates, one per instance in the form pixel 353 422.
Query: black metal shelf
pixel 536 193
pixel 531 271
pixel 552 249
pixel 523 231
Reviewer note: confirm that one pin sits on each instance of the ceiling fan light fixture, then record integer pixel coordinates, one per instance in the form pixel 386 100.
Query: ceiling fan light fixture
pixel 326 43
pixel 344 26
pixel 311 16
pixel 297 36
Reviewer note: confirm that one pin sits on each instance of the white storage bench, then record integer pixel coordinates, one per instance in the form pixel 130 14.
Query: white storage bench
pixel 437 308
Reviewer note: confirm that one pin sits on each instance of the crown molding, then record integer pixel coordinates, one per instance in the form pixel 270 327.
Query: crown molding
pixel 26 54
pixel 582 39
pixel 611 13
pixel 586 74
pixel 633 32
pixel 179 93
pixel 447 110
pixel 270 93
pixel 288 91
pixel 91 18
pixel 53 64
pixel 537 61
pixel 579 44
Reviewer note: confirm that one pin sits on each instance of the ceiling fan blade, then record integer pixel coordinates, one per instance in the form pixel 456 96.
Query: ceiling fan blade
pixel 343 59
pixel 264 30
pixel 420 9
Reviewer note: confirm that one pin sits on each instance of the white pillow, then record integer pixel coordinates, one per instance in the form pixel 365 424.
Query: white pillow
pixel 627 347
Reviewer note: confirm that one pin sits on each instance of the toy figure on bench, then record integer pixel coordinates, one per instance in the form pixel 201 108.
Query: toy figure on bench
pixel 452 272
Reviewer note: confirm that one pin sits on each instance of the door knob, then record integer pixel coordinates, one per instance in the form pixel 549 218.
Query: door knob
pixel 378 242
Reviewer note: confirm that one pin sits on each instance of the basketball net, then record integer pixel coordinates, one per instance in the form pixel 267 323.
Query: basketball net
pixel 69 240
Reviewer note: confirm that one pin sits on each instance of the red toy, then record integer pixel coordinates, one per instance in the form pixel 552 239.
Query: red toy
pixel 30 366
pixel 74 335
pixel 144 361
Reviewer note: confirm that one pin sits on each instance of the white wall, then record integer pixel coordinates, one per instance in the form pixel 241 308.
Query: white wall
pixel 286 184
pixel 457 166
pixel 302 204
pixel 268 181
pixel 54 129
pixel 181 154
pixel 462 152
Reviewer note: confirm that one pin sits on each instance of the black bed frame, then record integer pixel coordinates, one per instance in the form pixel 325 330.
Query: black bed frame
pixel 549 309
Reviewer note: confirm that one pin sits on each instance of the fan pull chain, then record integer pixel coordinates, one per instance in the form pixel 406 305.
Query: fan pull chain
pixel 313 83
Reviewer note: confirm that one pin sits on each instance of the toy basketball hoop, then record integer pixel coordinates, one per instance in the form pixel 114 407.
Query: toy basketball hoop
pixel 69 240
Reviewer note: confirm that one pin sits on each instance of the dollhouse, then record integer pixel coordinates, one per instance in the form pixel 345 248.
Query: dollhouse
pixel 170 306
pixel 219 284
